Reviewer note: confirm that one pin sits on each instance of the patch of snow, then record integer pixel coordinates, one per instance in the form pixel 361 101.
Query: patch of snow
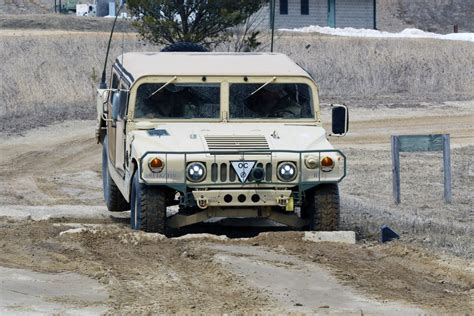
pixel 202 236
pixel 75 231
pixel 407 33
pixel 45 212
pixel 346 237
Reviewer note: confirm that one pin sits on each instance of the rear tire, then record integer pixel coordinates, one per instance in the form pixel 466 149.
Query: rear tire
pixel 112 196
pixel 322 208
pixel 148 208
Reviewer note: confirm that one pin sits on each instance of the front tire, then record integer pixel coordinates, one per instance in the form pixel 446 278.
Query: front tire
pixel 112 196
pixel 323 207
pixel 148 208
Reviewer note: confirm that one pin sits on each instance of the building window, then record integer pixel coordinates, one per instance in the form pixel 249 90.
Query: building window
pixel 304 7
pixel 284 7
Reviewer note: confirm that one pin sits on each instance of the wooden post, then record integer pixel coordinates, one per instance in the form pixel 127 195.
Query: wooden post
pixel 396 169
pixel 447 168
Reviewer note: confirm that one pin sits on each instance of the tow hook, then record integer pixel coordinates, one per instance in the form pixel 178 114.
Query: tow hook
pixel 202 202
pixel 282 201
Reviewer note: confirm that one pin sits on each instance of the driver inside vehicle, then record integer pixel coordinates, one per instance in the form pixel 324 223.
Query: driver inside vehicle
pixel 171 102
pixel 273 101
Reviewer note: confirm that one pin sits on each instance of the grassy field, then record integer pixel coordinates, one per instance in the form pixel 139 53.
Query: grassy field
pixel 367 67
pixel 52 75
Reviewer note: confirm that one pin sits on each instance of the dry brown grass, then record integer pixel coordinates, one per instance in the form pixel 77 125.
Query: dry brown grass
pixel 53 74
pixel 422 216
pixel 59 22
pixel 361 67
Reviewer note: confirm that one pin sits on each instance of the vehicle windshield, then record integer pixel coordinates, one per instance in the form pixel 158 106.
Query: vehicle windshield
pixel 274 100
pixel 178 101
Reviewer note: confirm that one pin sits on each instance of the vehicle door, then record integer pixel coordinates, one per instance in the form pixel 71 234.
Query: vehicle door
pixel 117 108
pixel 120 130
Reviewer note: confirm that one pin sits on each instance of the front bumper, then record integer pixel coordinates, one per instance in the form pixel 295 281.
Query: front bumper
pixel 242 198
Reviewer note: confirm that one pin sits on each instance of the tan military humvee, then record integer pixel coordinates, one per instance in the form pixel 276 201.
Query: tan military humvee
pixel 217 135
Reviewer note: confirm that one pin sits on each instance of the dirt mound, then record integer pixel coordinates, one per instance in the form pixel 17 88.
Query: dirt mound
pixel 143 273
pixel 150 273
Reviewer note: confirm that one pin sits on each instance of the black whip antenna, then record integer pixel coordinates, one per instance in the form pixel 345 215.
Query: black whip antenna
pixel 103 84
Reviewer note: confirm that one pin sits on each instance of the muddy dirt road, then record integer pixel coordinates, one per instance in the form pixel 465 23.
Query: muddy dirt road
pixel 54 227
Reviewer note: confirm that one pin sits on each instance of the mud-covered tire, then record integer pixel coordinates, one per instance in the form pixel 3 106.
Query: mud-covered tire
pixel 148 208
pixel 184 47
pixel 322 207
pixel 112 196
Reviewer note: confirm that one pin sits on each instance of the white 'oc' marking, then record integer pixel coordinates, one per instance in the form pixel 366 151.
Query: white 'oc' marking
pixel 243 168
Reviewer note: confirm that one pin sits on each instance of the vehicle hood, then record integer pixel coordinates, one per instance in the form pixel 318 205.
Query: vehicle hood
pixel 189 137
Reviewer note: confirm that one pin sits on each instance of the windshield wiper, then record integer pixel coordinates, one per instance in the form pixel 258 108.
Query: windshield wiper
pixel 263 86
pixel 163 86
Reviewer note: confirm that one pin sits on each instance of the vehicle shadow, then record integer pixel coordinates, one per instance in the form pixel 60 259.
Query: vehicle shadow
pixel 229 227
pixel 232 228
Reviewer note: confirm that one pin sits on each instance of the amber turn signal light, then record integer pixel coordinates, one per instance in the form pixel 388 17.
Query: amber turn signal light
pixel 327 162
pixel 156 164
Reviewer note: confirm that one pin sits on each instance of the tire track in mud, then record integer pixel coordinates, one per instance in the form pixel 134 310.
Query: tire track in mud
pixel 49 168
pixel 274 273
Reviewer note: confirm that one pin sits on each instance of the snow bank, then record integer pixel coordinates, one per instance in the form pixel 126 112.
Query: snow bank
pixel 407 33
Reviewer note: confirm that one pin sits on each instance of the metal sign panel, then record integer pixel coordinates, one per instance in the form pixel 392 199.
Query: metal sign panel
pixel 417 143
pixel 243 169
pixel 414 143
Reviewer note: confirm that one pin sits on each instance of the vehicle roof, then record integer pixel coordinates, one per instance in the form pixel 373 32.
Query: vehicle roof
pixel 136 65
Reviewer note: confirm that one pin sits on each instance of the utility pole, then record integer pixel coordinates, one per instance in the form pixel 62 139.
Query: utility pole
pixel 272 14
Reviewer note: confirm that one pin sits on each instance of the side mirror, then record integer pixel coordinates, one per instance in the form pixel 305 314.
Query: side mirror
pixel 340 119
pixel 119 104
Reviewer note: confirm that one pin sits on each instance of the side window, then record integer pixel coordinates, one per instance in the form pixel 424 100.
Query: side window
pixel 115 80
pixel 304 7
pixel 114 84
pixel 121 110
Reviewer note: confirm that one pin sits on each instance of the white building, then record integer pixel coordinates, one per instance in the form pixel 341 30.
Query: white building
pixel 333 13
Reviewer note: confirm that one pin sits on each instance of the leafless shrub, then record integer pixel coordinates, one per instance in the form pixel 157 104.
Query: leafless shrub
pixel 253 35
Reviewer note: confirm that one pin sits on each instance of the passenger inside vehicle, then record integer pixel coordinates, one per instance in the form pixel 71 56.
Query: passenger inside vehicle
pixel 177 101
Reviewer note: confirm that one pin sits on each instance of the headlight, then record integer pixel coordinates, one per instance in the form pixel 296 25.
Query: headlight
pixel 327 164
pixel 156 164
pixel 287 171
pixel 196 172
pixel 311 162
